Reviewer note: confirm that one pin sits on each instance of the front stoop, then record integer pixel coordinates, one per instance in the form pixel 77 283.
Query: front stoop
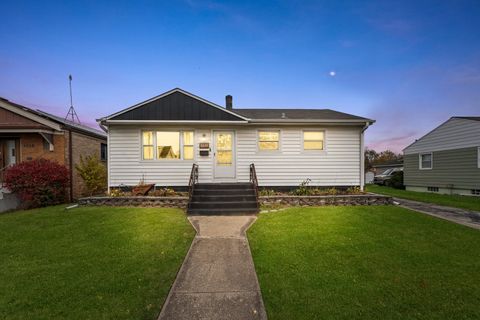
pixel 217 279
pixel 223 199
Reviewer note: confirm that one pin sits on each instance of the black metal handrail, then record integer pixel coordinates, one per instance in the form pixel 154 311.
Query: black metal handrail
pixel 192 181
pixel 254 181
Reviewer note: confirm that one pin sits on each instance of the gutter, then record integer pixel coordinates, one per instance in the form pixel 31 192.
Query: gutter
pixel 70 162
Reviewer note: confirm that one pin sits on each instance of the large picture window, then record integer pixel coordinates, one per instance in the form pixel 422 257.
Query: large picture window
pixel 168 145
pixel 268 140
pixel 313 140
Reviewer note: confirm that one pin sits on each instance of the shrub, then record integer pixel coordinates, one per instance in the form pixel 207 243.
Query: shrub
pixel 93 173
pixel 38 183
pixel 303 189
pixel 396 181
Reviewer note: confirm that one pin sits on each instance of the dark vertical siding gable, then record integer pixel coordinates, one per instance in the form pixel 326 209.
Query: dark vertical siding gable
pixel 177 106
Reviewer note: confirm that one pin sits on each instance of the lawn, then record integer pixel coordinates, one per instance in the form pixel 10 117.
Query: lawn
pixel 464 202
pixel 89 263
pixel 377 262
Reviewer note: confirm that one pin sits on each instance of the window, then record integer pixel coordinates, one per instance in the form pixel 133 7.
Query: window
pixel 432 189
pixel 268 140
pixel 426 161
pixel 475 192
pixel 478 157
pixel 313 140
pixel 103 151
pixel 188 145
pixel 147 142
pixel 168 145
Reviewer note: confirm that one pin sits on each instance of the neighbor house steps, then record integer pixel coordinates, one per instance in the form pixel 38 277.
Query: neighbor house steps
pixel 223 199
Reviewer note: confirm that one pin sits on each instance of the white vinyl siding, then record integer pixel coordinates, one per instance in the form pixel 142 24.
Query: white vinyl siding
pixel 337 165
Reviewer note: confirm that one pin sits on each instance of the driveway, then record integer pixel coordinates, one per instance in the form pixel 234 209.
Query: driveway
pixel 457 215
pixel 217 279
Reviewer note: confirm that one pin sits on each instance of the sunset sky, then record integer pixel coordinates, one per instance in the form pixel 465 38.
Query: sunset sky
pixel 408 65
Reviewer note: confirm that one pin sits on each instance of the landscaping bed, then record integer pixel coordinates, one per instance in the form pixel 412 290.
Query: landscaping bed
pixel 136 201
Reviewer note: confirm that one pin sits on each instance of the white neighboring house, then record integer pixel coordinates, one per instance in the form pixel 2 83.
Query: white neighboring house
pixel 159 140
pixel 445 160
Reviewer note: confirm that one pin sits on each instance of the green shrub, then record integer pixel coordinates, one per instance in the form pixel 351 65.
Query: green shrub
pixel 396 181
pixel 303 189
pixel 93 173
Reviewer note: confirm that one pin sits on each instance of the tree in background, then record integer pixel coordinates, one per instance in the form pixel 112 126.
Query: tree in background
pixel 372 157
pixel 93 173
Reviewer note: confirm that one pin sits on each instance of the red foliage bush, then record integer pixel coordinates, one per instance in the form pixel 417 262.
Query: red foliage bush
pixel 38 183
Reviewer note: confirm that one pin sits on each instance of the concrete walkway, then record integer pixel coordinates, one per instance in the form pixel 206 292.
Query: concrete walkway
pixel 217 279
pixel 460 216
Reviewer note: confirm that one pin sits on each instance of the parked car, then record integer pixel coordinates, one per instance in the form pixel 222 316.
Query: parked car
pixel 385 176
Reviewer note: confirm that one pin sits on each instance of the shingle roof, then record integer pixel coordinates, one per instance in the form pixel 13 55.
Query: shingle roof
pixel 297 114
pixel 54 118
pixel 71 124
pixel 468 118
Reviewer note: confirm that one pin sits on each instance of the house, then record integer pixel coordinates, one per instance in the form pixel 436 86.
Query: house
pixel 158 141
pixel 446 160
pixel 27 134
pixel 380 168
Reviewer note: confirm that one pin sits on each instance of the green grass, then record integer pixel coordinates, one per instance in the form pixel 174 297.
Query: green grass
pixel 89 263
pixel 381 262
pixel 458 201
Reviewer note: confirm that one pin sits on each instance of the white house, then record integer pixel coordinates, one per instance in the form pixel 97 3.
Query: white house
pixel 159 140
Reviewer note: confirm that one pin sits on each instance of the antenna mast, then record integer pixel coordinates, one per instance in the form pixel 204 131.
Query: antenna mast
pixel 72 114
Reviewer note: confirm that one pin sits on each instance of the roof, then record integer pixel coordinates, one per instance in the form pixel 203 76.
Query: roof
pixel 392 163
pixel 178 105
pixel 297 114
pixel 73 125
pixel 56 119
pixel 468 118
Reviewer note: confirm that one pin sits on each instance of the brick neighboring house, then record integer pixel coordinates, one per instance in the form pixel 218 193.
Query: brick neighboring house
pixel 27 134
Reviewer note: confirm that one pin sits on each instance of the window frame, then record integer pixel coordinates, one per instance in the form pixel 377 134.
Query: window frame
pixel 269 150
pixel 324 150
pixel 478 157
pixel 420 166
pixel 142 146
pixel 155 151
pixel 106 151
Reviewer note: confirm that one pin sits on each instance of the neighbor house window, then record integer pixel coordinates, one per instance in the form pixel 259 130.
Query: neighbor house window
pixel 268 140
pixel 147 144
pixel 188 145
pixel 103 151
pixel 313 140
pixel 426 161
pixel 168 145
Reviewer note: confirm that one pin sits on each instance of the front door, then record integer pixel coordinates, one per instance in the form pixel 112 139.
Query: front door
pixel 224 154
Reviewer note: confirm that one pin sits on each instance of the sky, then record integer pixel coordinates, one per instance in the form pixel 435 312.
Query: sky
pixel 410 65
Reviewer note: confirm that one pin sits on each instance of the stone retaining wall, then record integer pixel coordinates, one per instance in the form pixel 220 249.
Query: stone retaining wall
pixel 343 200
pixel 165 202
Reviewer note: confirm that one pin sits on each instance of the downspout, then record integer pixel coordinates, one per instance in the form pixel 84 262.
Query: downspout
pixel 362 156
pixel 70 161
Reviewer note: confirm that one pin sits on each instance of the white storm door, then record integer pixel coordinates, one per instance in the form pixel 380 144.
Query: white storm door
pixel 224 154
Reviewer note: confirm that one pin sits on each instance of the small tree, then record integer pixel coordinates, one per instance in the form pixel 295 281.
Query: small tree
pixel 93 173
pixel 38 183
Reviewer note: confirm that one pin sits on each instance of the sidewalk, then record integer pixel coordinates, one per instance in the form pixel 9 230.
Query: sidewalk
pixel 217 279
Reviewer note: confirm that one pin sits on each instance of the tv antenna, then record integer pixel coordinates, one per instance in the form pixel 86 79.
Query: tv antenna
pixel 72 114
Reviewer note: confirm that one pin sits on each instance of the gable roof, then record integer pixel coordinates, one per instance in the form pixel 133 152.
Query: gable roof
pixel 468 118
pixel 299 114
pixel 455 133
pixel 175 105
pixel 178 105
pixel 51 121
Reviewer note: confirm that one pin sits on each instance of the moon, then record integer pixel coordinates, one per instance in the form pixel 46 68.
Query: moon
pixel 332 73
